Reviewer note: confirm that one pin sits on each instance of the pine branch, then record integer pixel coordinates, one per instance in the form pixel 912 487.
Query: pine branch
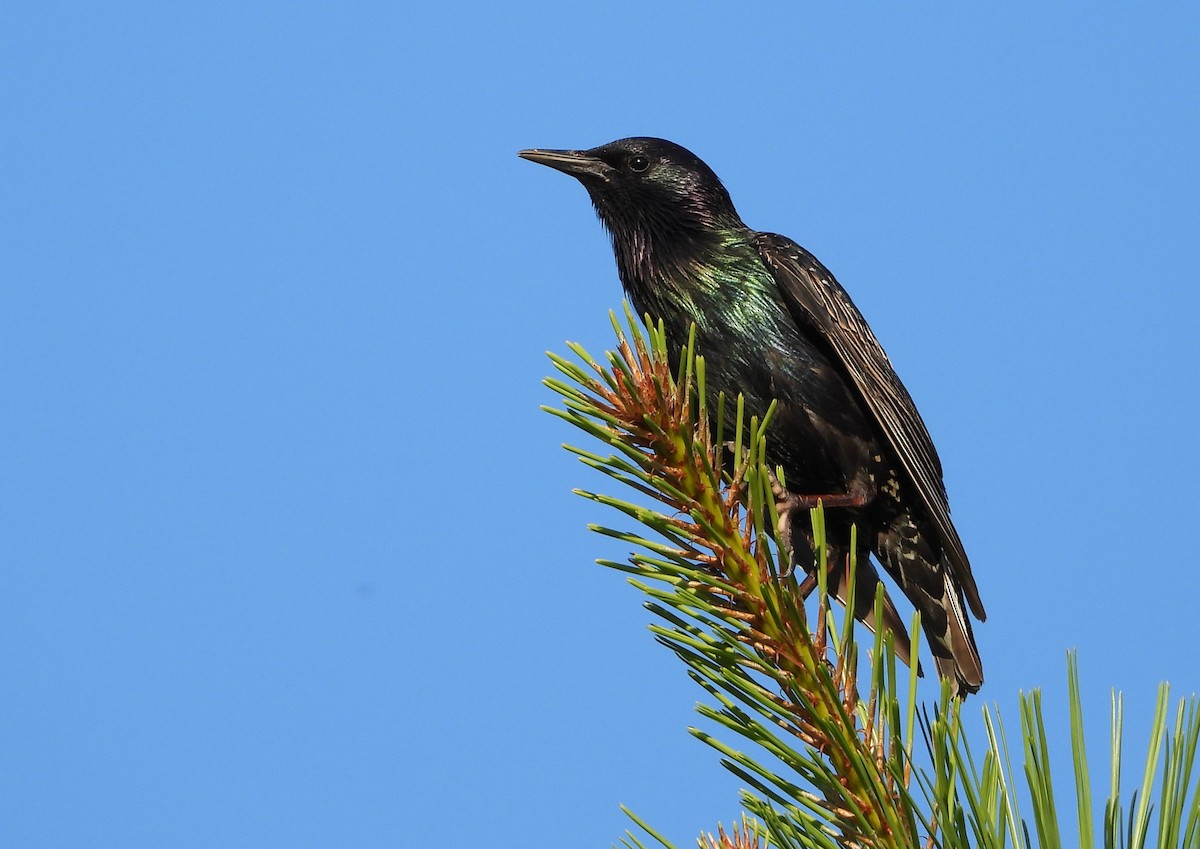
pixel 840 769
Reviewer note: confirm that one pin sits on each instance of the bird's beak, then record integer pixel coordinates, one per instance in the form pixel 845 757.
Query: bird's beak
pixel 578 163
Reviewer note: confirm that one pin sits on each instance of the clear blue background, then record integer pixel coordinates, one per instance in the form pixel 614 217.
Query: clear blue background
pixel 289 552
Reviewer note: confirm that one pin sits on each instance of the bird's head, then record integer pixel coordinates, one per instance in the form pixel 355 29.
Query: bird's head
pixel 652 195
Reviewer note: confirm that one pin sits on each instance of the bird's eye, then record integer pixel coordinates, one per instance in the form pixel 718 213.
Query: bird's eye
pixel 638 163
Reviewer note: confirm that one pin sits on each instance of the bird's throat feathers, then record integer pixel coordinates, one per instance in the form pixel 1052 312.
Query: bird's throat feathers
pixel 670 256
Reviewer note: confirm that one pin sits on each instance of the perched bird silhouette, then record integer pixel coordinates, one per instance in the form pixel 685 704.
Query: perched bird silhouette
pixel 773 323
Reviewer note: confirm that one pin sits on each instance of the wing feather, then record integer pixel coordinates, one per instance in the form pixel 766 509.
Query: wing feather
pixel 818 302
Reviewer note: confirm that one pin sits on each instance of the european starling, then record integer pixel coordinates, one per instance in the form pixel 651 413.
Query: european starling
pixel 773 323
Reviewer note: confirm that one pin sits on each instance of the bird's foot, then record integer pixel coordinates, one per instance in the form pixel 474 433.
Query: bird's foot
pixel 788 504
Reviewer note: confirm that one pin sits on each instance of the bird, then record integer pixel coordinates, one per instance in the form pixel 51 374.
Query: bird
pixel 774 324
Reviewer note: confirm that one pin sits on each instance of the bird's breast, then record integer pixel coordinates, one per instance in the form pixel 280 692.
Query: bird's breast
pixel 752 346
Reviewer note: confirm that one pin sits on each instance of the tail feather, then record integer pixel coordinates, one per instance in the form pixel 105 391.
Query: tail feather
pixel 926 577
pixel 944 621
pixel 866 579
pixel 951 639
pixel 963 666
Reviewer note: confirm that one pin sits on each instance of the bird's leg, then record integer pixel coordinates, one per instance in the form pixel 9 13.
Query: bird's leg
pixel 795 500
pixel 788 505
pixel 832 566
pixel 842 499
pixel 788 502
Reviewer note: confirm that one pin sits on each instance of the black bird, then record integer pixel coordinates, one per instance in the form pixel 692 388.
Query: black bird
pixel 773 323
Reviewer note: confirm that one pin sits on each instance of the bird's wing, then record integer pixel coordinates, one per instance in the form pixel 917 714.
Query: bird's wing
pixel 819 303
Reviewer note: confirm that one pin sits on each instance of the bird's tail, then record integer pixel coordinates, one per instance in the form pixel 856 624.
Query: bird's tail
pixel 927 578
pixel 945 623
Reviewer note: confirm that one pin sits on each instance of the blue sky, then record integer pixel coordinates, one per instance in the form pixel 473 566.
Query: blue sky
pixel 290 554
